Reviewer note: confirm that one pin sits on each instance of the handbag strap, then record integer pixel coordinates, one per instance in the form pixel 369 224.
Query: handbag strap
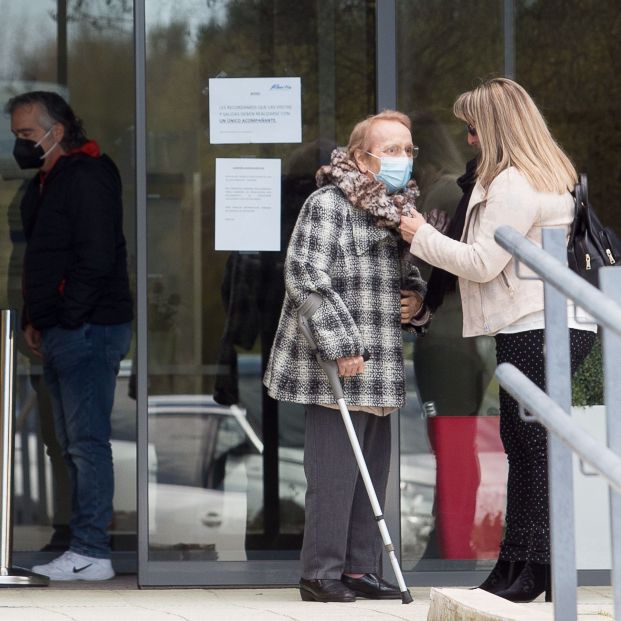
pixel 585 219
pixel 584 187
pixel 578 219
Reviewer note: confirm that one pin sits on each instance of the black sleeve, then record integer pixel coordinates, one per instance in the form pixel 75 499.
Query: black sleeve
pixel 95 202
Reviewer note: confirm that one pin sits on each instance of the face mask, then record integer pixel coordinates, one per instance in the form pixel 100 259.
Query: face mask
pixel 394 173
pixel 30 154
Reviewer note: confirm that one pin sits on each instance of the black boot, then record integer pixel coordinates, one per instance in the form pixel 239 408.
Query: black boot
pixel 532 581
pixel 502 576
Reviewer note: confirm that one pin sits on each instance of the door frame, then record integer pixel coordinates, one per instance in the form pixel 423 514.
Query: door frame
pixel 230 573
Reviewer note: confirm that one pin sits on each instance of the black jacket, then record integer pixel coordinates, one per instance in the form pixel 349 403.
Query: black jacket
pixel 75 264
pixel 441 282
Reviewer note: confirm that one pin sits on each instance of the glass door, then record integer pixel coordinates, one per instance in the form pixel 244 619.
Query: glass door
pixel 224 503
pixel 82 51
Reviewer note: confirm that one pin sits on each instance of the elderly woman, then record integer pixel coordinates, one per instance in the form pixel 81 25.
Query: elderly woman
pixel 346 247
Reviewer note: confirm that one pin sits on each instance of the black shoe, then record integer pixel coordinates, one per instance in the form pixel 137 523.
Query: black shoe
pixel 59 542
pixel 325 591
pixel 502 576
pixel 532 581
pixel 371 586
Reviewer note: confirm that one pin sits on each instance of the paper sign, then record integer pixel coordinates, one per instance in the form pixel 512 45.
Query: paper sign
pixel 254 110
pixel 247 204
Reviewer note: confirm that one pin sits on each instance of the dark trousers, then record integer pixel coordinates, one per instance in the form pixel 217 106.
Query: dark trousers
pixel 340 532
pixel 527 534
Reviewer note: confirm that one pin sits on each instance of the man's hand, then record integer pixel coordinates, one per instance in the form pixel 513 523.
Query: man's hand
pixel 33 339
pixel 411 303
pixel 350 366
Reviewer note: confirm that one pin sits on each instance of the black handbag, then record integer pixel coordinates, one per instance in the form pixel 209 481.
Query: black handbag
pixel 591 245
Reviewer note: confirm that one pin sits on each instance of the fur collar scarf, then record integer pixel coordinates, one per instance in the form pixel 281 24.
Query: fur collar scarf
pixel 367 194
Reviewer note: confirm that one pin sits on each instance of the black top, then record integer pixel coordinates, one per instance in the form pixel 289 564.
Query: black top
pixel 75 264
pixel 442 282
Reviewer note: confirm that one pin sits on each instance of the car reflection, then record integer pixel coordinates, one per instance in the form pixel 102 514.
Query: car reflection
pixel 206 482
pixel 206 479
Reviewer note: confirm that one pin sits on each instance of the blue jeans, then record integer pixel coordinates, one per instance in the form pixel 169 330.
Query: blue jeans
pixel 80 369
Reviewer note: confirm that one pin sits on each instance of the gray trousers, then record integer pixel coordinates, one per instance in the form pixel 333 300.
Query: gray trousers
pixel 340 532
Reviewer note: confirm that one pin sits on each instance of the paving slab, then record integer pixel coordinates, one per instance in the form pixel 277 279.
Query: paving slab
pixel 196 605
pixel 121 600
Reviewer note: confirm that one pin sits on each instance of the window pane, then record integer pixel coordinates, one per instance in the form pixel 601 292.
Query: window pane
pixel 86 55
pixel 222 449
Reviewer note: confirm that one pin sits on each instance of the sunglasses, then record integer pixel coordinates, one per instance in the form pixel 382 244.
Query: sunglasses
pixel 471 130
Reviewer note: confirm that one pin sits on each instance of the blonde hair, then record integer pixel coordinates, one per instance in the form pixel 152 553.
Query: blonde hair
pixel 359 135
pixel 513 132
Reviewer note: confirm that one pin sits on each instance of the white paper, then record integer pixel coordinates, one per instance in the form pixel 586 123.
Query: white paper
pixel 254 110
pixel 247 204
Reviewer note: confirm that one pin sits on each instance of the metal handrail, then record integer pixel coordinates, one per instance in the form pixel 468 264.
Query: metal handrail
pixel 600 306
pixel 552 409
pixel 536 401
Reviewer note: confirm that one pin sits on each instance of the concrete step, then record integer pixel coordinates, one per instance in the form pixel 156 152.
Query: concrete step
pixel 478 605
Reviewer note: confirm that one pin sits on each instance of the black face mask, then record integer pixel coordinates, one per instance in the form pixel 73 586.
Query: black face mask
pixel 28 154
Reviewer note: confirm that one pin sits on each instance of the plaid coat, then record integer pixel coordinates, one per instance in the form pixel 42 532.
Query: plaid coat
pixel 337 251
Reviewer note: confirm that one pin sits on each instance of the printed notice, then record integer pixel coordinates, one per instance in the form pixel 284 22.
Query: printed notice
pixel 254 110
pixel 247 204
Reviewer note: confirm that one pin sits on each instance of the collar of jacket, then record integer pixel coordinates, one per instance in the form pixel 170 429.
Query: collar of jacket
pixel 365 193
pixel 365 232
pixel 89 148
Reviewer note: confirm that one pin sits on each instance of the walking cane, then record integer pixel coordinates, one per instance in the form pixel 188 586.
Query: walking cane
pixel 305 312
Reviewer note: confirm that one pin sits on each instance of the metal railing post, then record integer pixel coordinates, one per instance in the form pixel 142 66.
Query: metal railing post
pixel 9 576
pixel 604 461
pixel 550 264
pixel 560 468
pixel 610 283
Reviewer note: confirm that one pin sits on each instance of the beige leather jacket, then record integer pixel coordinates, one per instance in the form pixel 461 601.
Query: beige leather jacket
pixel 492 295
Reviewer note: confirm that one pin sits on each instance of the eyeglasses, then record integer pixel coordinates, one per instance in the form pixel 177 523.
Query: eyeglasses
pixel 471 130
pixel 395 151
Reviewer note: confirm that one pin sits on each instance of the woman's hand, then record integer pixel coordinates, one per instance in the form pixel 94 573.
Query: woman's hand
pixel 409 226
pixel 350 366
pixel 411 303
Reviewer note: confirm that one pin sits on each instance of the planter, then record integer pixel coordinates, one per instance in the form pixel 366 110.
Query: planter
pixel 591 498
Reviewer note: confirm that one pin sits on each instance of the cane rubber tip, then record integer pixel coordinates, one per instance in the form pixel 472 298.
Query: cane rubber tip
pixel 406 597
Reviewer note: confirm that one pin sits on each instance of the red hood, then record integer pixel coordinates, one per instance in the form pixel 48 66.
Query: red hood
pixel 90 148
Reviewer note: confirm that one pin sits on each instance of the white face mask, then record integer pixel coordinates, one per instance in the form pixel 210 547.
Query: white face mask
pixel 394 172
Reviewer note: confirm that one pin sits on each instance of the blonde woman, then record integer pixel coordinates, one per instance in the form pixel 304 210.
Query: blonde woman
pixel 523 180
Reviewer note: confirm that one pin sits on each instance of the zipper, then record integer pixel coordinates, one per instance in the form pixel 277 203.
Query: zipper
pixel 466 234
pixel 610 257
pixel 485 324
pixel 587 257
pixel 505 279
pixel 471 215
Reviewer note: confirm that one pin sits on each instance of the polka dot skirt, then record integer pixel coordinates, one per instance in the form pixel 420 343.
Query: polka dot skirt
pixel 527 534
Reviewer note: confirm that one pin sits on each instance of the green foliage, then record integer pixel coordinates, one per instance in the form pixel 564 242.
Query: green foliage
pixel 588 383
pixel 566 53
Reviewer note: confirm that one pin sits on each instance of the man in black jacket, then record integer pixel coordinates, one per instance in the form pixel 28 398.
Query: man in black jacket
pixel 77 308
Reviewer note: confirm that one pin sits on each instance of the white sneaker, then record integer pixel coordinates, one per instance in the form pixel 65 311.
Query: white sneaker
pixel 74 566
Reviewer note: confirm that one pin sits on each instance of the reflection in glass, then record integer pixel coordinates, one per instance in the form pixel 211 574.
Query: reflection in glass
pixel 452 485
pixel 218 446
pixel 84 52
pixel 445 48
